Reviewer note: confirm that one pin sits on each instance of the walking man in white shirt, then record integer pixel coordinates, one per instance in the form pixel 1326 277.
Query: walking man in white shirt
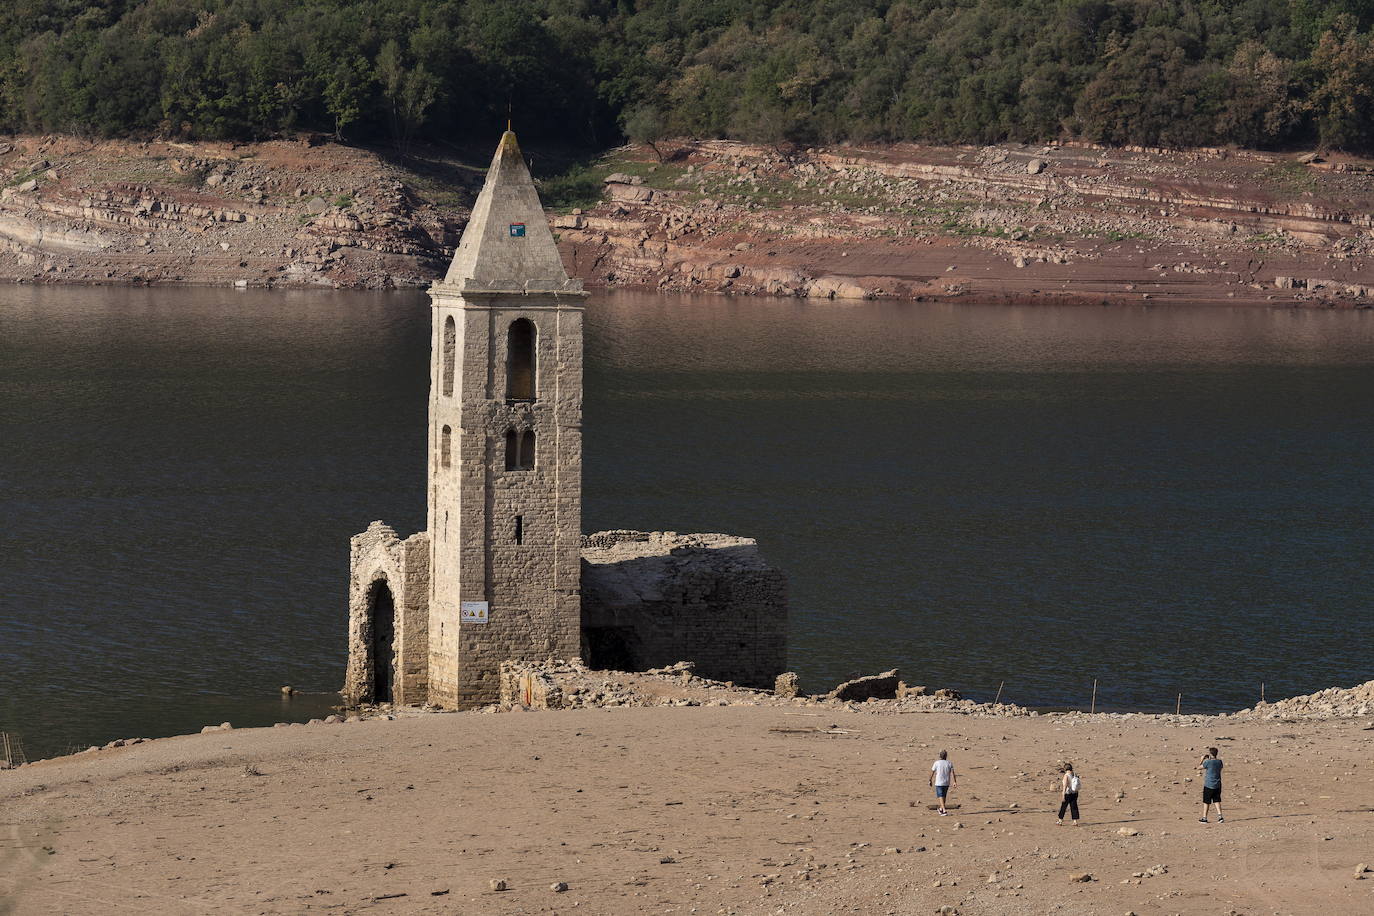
pixel 943 779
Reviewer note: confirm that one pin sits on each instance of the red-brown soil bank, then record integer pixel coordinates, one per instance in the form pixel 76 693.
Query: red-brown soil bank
pixel 1003 223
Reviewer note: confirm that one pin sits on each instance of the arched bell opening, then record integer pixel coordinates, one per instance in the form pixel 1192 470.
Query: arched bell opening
pixel 520 367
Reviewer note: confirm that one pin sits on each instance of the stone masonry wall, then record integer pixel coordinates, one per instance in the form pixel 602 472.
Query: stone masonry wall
pixel 650 599
pixel 507 536
pixel 378 555
pixel 532 582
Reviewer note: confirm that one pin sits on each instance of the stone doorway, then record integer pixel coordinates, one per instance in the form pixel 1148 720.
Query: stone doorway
pixel 381 614
pixel 611 648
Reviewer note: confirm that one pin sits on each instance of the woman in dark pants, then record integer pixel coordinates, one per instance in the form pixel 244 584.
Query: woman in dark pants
pixel 1068 784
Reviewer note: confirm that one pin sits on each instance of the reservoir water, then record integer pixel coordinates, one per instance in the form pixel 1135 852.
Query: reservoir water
pixel 1169 501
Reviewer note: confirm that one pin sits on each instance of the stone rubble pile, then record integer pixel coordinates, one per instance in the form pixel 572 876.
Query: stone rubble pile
pixel 558 684
pixel 1333 702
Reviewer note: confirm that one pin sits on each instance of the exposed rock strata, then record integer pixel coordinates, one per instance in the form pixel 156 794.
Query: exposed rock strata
pixel 273 214
pixel 1006 223
pixel 1003 223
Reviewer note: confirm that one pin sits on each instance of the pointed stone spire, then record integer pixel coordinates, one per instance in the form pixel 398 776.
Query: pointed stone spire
pixel 507 246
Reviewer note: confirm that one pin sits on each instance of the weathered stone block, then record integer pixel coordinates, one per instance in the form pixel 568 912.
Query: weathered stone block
pixel 786 685
pixel 874 686
pixel 650 599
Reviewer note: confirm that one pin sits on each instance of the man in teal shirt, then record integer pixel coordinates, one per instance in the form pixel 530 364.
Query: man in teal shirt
pixel 1211 783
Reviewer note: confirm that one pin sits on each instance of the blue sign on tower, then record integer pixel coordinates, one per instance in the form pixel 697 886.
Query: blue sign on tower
pixel 517 230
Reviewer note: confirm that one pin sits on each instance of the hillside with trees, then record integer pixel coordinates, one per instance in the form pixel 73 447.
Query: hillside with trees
pixel 1261 73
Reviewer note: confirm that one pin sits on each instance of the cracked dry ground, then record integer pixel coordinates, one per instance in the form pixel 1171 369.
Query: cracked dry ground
pixel 735 810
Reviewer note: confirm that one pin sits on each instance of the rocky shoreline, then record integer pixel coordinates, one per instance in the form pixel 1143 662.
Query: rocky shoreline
pixel 796 805
pixel 1013 224
pixel 570 685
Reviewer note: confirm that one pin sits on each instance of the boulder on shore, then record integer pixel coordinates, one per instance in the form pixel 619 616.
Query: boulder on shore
pixel 786 685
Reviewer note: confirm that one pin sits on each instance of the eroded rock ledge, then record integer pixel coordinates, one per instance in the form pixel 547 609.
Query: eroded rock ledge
pixel 1007 223
pixel 1070 223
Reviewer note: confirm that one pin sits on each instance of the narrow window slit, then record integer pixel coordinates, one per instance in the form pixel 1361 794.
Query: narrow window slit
pixel 450 354
pixel 519 450
pixel 527 450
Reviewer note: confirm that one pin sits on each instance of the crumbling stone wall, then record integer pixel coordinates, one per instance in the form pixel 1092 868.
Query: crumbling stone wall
pixel 650 599
pixel 378 555
pixel 535 684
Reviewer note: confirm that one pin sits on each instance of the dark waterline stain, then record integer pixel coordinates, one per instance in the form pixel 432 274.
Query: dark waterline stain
pixel 1168 501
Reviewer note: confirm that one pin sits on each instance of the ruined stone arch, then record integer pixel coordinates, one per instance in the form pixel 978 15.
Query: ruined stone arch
pixel 382 632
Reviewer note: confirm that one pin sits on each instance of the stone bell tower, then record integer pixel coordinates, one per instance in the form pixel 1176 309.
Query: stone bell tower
pixel 505 445
pixel 497 575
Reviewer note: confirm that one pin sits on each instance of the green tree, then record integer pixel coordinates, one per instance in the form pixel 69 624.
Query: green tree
pixel 409 93
pixel 644 124
pixel 582 72
pixel 1262 106
pixel 1343 100
pixel 345 85
pixel 1152 91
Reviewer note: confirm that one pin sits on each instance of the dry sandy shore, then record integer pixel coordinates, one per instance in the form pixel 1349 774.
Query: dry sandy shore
pixel 734 810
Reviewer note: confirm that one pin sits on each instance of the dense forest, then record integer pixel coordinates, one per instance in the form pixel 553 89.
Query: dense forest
pixel 1268 73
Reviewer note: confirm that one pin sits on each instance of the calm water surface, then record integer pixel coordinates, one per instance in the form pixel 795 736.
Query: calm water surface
pixel 1169 501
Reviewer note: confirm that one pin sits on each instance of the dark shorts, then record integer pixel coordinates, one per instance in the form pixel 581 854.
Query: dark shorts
pixel 1210 795
pixel 941 791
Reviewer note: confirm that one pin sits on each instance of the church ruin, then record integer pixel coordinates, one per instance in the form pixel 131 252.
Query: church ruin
pixel 503 571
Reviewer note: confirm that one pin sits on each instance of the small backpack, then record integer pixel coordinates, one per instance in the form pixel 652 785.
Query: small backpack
pixel 1073 784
